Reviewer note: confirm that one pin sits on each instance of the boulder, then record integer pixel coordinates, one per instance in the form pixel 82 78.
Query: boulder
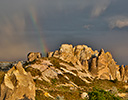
pixel 33 56
pixel 17 85
pixel 85 95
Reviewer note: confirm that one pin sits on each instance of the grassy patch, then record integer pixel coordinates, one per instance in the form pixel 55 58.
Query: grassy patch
pixel 62 79
pixel 73 95
pixel 64 88
pixel 41 83
pixel 55 62
pixel 33 71
pixel 76 79
pixel 108 84
pixel 40 96
pixel 54 81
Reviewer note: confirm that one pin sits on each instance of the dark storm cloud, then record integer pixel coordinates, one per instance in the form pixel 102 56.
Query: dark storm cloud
pixel 97 23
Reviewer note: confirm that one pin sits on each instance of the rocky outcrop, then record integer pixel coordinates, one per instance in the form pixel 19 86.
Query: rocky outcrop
pixel 65 53
pixel 33 56
pixel 106 66
pixel 99 64
pixel 17 85
pixel 76 55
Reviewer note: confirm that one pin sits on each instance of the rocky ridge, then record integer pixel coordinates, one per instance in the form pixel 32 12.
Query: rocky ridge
pixel 99 64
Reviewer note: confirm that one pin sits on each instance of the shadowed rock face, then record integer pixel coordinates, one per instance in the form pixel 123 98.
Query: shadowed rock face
pixel 17 85
pixel 99 64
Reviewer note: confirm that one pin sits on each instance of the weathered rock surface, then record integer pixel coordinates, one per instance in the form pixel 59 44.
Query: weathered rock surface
pixel 17 85
pixel 33 56
pixel 99 64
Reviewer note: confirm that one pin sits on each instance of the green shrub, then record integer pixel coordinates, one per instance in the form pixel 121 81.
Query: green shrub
pixel 101 94
pixel 53 81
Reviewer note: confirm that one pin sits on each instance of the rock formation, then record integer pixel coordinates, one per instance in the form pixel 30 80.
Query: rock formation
pixel 76 68
pixel 99 64
pixel 33 56
pixel 17 85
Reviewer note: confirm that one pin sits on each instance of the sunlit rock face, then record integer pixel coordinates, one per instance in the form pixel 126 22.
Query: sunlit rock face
pixel 76 55
pixel 17 85
pixel 33 56
pixel 106 66
pixel 99 64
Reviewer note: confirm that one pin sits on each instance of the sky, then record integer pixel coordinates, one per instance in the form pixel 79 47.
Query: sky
pixel 43 25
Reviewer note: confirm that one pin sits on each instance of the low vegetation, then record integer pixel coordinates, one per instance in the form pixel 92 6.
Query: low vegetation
pixel 108 84
pixel 100 94
pixel 78 81
pixel 33 71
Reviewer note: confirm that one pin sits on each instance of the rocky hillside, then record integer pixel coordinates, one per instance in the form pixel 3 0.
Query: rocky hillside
pixel 70 73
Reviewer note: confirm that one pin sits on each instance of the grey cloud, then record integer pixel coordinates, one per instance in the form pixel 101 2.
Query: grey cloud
pixel 67 6
pixel 99 7
pixel 88 27
pixel 13 40
pixel 118 21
